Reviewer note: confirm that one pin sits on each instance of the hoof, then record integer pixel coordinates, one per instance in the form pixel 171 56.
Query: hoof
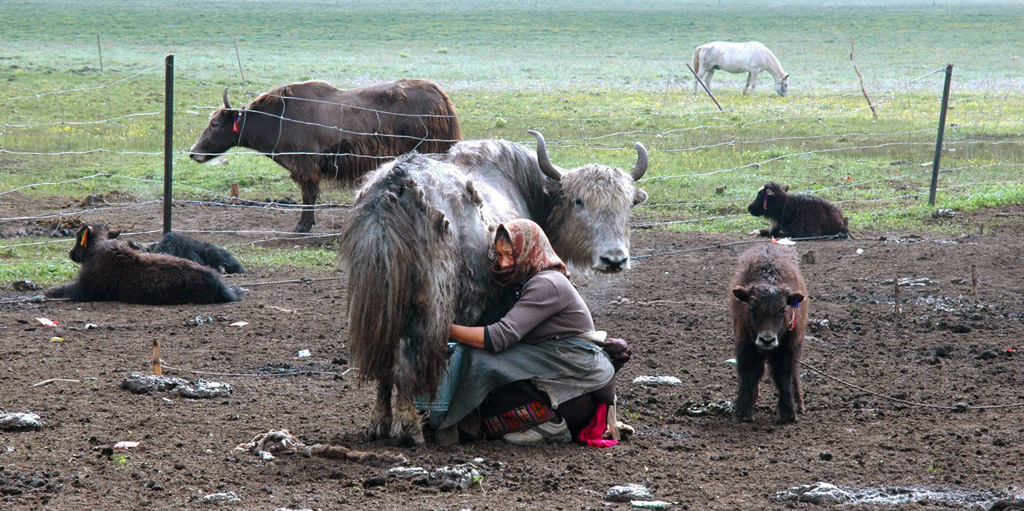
pixel 303 228
pixel 786 419
pixel 378 431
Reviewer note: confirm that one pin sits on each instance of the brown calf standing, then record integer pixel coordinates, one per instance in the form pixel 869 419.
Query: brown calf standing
pixel 799 216
pixel 113 271
pixel 769 315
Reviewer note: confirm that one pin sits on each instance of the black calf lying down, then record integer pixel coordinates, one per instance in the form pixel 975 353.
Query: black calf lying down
pixel 206 254
pixel 113 271
pixel 769 315
pixel 798 216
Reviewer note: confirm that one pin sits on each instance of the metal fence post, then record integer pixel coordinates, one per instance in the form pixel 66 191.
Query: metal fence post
pixel 168 138
pixel 938 140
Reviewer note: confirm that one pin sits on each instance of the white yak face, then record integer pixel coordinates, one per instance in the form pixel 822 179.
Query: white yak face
pixel 589 227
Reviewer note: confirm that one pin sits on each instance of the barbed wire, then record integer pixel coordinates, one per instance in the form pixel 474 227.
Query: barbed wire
pixel 86 89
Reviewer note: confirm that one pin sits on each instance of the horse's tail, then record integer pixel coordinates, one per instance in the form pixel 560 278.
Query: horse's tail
pixel 398 250
pixel 695 63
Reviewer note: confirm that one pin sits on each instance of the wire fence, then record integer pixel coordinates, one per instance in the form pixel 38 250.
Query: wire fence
pixel 733 152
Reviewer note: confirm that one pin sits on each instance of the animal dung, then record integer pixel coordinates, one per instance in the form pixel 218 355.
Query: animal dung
pixel 20 421
pixel 202 389
pixel 656 381
pixel 628 492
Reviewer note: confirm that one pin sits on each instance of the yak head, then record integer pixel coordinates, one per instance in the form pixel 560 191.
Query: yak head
pixel 768 201
pixel 589 224
pixel 222 133
pixel 88 238
pixel 767 306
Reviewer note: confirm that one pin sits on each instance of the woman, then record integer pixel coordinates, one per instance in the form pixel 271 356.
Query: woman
pixel 534 376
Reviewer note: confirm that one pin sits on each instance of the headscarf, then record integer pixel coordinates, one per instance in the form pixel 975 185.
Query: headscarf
pixel 531 251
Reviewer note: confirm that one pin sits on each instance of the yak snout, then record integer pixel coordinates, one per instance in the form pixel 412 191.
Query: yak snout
pixel 196 155
pixel 613 260
pixel 767 340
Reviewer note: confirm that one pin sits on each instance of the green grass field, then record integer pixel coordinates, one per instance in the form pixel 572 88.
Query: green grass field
pixel 593 79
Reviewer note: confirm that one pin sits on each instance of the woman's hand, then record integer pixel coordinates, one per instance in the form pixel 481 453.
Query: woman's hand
pixel 469 335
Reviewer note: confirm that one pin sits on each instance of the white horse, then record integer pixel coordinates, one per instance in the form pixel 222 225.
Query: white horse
pixel 751 58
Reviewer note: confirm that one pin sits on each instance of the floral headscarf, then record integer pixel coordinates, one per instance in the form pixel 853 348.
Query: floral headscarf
pixel 531 250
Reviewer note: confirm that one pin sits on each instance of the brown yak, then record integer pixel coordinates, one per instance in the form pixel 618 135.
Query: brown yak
pixel 317 131
pixel 799 216
pixel 113 271
pixel 769 314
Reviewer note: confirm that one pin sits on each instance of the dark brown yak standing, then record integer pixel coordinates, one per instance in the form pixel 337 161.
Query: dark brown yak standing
pixel 799 216
pixel 113 271
pixel 769 315
pixel 316 130
pixel 417 249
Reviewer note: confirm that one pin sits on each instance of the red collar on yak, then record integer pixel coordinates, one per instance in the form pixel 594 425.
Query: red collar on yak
pixel 85 234
pixel 234 125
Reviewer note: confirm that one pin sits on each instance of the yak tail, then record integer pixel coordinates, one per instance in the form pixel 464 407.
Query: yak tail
pixel 400 256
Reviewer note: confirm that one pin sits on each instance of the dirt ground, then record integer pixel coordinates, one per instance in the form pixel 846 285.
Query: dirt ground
pixel 881 389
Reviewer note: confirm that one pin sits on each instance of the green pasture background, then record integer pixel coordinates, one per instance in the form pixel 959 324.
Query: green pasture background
pixel 594 77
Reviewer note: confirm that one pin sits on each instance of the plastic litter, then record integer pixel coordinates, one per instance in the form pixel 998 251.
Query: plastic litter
pixel 199 320
pixel 239 323
pixel 628 492
pixel 304 353
pixel 56 339
pixel 90 326
pixel 650 504
pixel 125 445
pixel 20 421
pixel 47 322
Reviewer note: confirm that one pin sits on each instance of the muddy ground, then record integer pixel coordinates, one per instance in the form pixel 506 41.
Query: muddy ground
pixel 882 389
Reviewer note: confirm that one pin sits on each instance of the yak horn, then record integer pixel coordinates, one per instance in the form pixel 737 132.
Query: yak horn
pixel 641 162
pixel 226 104
pixel 542 158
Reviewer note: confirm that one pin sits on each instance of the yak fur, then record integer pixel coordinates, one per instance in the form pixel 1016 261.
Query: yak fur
pixel 798 216
pixel 768 301
pixel 417 247
pixel 113 271
pixel 202 252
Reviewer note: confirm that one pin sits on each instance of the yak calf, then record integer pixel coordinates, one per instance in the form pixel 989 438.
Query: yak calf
pixel 769 315
pixel 799 216
pixel 206 254
pixel 113 271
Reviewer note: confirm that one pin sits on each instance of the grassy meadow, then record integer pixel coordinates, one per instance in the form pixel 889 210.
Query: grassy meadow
pixel 593 78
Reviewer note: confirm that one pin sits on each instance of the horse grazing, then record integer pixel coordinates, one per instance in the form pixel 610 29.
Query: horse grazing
pixel 751 58
pixel 769 314
pixel 799 216
pixel 113 271
pixel 417 250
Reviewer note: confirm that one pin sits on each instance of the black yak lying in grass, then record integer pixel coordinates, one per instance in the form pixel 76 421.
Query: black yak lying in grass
pixel 769 315
pixel 113 271
pixel 206 254
pixel 798 216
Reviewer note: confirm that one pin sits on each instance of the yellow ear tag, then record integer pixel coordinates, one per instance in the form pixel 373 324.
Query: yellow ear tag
pixel 85 234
